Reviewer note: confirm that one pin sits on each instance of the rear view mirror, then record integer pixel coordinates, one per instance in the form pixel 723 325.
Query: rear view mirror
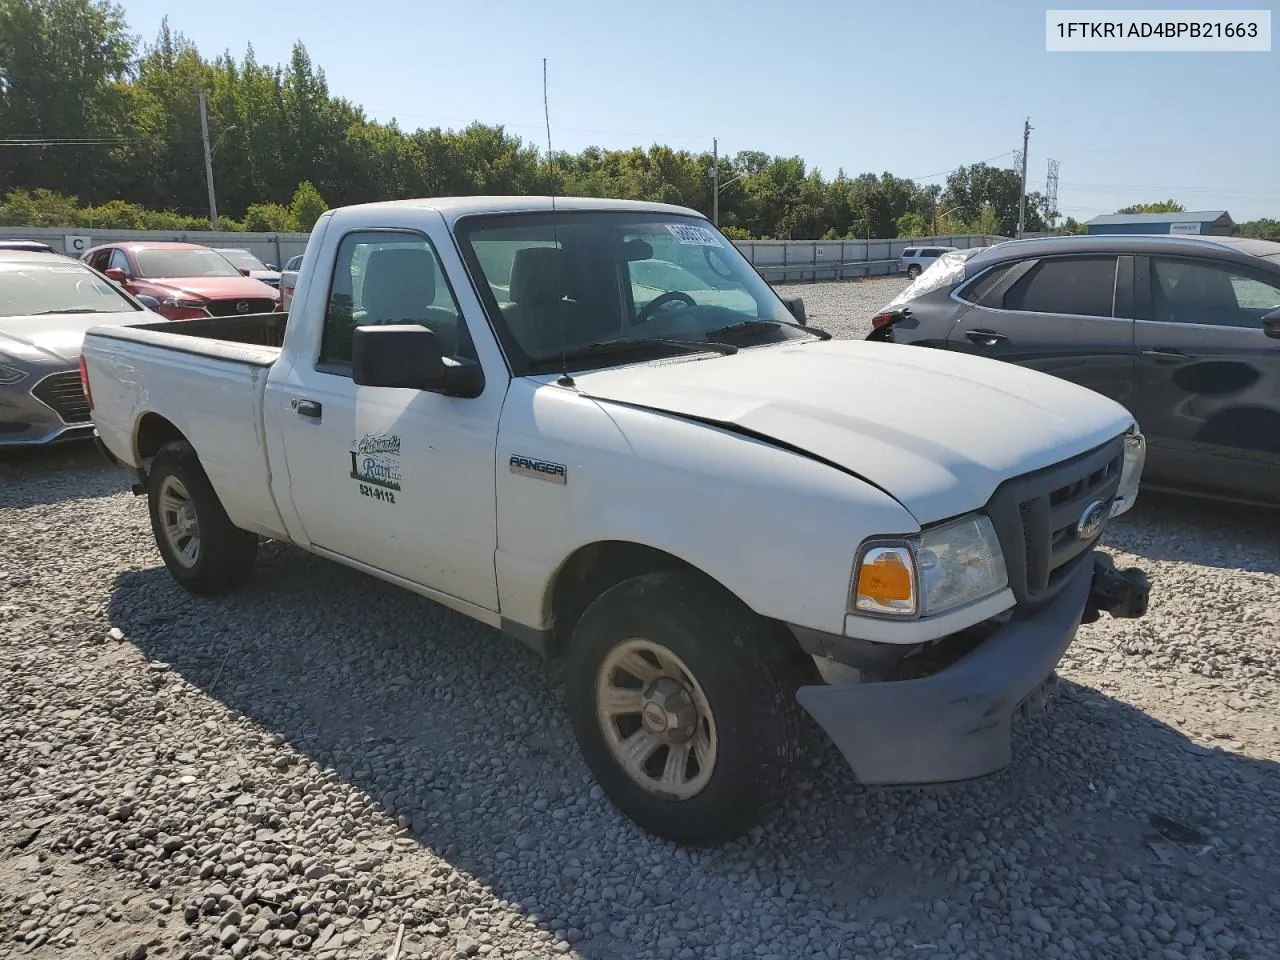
pixel 409 356
pixel 796 306
pixel 114 274
pixel 1271 325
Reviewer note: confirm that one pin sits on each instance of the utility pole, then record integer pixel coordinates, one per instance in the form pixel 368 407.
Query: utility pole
pixel 1022 199
pixel 715 182
pixel 208 162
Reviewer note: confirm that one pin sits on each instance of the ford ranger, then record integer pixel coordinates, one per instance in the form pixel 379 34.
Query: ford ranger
pixel 591 425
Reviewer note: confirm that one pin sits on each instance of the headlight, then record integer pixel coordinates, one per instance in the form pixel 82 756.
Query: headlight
pixel 1135 458
pixel 11 374
pixel 183 303
pixel 935 571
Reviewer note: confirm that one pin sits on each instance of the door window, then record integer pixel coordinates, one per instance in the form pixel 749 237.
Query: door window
pixel 390 277
pixel 1081 286
pixel 1189 291
pixel 118 259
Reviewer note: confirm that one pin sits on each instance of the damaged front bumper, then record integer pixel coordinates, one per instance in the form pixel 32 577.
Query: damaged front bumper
pixel 955 724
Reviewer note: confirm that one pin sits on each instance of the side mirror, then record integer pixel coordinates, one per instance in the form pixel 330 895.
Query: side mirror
pixel 796 306
pixel 409 356
pixel 272 266
pixel 1271 325
pixel 114 274
pixel 245 271
pixel 151 303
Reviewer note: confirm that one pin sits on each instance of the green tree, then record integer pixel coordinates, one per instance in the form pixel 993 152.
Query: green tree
pixel 987 223
pixel 1070 226
pixel 969 188
pixel 63 69
pixel 1160 206
pixel 306 207
pixel 1265 228
pixel 912 225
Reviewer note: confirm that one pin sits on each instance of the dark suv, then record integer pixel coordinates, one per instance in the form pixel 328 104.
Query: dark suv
pixel 1184 331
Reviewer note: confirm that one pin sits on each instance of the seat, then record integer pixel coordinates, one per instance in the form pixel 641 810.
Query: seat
pixel 542 315
pixel 399 286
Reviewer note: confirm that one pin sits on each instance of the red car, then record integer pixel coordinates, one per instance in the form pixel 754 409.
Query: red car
pixel 187 280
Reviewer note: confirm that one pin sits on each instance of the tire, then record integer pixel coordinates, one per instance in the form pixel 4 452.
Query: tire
pixel 224 554
pixel 913 271
pixel 740 676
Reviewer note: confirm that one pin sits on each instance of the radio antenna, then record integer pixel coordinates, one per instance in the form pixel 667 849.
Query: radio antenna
pixel 565 380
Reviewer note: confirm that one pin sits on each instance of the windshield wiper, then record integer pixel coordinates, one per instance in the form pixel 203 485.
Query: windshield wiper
pixel 45 313
pixel 760 322
pixel 629 344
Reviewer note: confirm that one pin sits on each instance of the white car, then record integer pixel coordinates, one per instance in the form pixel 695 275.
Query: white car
pixel 915 260
pixel 717 516
pixel 251 266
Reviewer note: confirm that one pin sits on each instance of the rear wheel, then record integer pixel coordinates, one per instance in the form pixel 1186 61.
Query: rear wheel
pixel 683 706
pixel 204 551
pixel 913 271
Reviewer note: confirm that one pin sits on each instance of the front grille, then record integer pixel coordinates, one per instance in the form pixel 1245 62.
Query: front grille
pixel 1036 517
pixel 233 308
pixel 64 393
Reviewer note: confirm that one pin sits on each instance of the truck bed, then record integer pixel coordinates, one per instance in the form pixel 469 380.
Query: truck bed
pixel 253 338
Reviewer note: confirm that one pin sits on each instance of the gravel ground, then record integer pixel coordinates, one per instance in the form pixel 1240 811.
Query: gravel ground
pixel 321 765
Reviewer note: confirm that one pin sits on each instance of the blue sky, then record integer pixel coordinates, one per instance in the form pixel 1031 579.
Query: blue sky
pixel 914 88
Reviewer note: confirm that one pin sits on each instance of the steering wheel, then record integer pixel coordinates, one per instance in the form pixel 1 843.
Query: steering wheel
pixel 662 300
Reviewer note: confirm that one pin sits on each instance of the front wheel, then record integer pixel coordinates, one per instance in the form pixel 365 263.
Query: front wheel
pixel 682 705
pixel 204 551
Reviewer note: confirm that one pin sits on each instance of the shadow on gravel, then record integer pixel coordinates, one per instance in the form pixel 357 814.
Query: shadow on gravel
pixel 1166 526
pixel 472 727
pixel 71 470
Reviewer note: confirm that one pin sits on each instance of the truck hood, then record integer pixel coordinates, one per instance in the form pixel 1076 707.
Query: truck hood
pixel 58 336
pixel 938 431
pixel 213 288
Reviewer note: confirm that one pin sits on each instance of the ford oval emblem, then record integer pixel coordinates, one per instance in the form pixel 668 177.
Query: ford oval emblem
pixel 242 307
pixel 1091 520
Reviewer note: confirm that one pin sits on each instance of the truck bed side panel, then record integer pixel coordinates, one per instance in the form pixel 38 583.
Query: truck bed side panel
pixel 209 390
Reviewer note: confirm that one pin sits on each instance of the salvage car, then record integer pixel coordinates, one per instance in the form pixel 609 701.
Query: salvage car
pixel 187 280
pixel 718 516
pixel 1184 331
pixel 47 302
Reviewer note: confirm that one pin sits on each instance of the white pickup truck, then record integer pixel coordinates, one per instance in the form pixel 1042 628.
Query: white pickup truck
pixel 591 424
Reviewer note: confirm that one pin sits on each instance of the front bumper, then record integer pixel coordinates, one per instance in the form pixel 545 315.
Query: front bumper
pixel 955 724
pixel 28 421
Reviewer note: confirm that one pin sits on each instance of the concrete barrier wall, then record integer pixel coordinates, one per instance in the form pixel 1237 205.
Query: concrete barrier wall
pixel 779 261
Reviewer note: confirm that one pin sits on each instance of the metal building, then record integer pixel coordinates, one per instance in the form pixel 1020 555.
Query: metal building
pixel 1214 223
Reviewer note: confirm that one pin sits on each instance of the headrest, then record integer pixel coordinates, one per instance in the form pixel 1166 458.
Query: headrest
pixel 397 280
pixel 538 275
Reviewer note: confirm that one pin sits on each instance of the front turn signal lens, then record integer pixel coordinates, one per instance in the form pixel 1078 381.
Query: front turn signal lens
pixel 886 581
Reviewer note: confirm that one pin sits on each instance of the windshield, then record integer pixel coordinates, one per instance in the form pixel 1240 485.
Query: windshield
pixel 243 259
pixel 183 263
pixel 624 280
pixel 28 289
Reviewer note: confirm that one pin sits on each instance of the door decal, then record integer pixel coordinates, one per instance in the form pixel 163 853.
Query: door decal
pixel 375 459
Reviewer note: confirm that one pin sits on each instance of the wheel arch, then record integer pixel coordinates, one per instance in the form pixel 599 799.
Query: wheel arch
pixel 153 432
pixel 595 567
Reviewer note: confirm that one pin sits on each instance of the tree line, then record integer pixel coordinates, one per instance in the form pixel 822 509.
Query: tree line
pixel 100 129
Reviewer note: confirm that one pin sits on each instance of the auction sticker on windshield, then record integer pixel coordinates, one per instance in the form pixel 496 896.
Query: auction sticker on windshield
pixel 697 236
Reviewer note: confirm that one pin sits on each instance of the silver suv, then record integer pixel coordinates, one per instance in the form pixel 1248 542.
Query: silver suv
pixel 915 260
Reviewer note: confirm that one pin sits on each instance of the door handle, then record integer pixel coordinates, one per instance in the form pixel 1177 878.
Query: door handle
pixel 307 408
pixel 1168 356
pixel 985 338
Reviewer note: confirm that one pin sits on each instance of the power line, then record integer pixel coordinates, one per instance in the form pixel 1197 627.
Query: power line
pixel 943 173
